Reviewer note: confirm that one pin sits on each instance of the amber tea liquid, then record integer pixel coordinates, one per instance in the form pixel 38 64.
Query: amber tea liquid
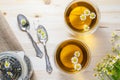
pixel 76 18
pixel 66 51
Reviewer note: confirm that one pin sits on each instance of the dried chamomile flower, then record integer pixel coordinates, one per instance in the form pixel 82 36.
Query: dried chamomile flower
pixel 95 75
pixel 7 64
pixel 111 63
pixel 87 12
pixel 118 45
pixel 117 57
pixel 83 17
pixel 74 60
pixel 10 74
pixel 113 34
pixel 86 28
pixel 104 70
pixel 113 40
pixel 23 22
pixel 109 73
pixel 77 54
pixel 41 32
pixel 113 49
pixel 78 67
pixel 115 37
pixel 92 15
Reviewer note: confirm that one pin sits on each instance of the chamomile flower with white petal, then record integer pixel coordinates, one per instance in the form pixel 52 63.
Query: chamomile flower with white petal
pixel 10 74
pixel 77 54
pixel 117 57
pixel 92 15
pixel 87 12
pixel 86 28
pixel 78 67
pixel 41 32
pixel 83 17
pixel 7 64
pixel 74 60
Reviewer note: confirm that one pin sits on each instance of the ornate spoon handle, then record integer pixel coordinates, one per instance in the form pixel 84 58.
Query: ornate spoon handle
pixel 48 64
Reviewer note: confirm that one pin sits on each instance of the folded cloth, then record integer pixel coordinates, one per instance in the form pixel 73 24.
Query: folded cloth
pixel 8 41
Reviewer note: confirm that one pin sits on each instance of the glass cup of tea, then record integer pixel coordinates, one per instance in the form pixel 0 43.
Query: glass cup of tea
pixel 72 56
pixel 82 16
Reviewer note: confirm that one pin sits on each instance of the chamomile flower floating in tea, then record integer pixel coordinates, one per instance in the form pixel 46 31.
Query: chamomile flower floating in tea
pixel 87 12
pixel 77 54
pixel 77 67
pixel 83 17
pixel 6 64
pixel 86 28
pixel 92 15
pixel 74 60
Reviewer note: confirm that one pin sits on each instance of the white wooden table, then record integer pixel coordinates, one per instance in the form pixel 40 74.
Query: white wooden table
pixel 52 17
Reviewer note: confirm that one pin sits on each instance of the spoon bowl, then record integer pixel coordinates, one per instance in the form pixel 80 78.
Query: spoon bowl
pixel 43 37
pixel 23 27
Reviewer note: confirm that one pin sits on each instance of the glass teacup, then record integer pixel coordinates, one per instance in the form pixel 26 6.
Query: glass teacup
pixel 82 16
pixel 72 56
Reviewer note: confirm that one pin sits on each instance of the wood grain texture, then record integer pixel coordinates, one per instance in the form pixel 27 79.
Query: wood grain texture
pixel 52 17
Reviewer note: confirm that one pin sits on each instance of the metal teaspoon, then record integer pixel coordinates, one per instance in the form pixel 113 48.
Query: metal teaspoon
pixel 43 38
pixel 24 25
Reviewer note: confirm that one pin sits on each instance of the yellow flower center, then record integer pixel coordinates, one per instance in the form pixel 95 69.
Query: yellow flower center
pixel 23 21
